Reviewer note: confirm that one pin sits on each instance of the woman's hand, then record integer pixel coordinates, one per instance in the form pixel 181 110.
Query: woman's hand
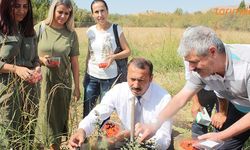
pixel 36 76
pixel 46 61
pixel 76 94
pixel 109 60
pixel 23 72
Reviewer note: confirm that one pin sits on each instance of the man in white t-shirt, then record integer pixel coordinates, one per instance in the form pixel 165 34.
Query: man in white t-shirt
pixel 207 99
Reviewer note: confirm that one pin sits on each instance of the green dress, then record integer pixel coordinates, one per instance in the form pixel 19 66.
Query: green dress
pixel 56 84
pixel 18 98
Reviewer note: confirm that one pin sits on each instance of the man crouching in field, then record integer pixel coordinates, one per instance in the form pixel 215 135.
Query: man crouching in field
pixel 225 68
pixel 150 100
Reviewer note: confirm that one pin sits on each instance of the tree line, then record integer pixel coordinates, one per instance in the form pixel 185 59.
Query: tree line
pixel 177 19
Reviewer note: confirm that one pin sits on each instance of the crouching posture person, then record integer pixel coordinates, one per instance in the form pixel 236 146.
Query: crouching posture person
pixel 150 99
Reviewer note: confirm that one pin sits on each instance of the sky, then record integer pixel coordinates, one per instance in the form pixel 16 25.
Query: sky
pixel 139 6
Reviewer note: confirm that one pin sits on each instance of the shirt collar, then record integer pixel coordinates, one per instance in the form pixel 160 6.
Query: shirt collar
pixel 145 97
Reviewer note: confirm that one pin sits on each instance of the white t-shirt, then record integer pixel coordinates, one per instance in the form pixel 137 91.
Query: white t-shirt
pixel 235 85
pixel 101 44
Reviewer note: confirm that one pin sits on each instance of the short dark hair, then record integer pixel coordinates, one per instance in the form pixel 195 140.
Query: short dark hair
pixel 8 24
pixel 95 1
pixel 142 63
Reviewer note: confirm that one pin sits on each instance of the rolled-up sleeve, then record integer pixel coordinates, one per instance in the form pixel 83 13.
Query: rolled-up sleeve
pixel 163 135
pixel 101 112
pixel 194 82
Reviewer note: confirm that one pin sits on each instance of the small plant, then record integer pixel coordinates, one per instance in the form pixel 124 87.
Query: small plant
pixel 18 115
pixel 105 134
pixel 135 145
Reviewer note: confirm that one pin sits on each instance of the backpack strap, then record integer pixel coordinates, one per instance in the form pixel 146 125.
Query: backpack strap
pixel 118 49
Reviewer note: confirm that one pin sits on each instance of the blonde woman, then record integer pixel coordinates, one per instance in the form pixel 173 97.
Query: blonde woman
pixel 58 50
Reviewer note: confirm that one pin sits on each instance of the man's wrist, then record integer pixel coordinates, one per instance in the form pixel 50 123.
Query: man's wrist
pixel 156 122
pixel 83 133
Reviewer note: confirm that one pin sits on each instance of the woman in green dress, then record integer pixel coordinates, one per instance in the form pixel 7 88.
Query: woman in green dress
pixel 19 74
pixel 58 50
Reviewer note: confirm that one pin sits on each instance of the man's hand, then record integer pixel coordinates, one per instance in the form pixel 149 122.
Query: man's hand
pixel 145 131
pixel 218 119
pixel 195 109
pixel 214 136
pixel 77 139
pixel 196 106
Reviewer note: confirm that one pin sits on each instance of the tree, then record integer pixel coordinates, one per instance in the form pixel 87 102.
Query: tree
pixel 242 5
pixel 40 9
pixel 82 17
pixel 178 11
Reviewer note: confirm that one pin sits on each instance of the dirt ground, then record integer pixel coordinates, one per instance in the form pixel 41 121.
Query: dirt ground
pixel 182 122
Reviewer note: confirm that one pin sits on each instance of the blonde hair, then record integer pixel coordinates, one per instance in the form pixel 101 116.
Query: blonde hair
pixel 70 22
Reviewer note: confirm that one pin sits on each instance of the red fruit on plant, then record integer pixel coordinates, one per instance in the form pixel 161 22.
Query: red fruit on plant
pixel 111 129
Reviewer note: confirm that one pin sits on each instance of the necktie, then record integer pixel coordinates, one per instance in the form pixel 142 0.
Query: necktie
pixel 138 110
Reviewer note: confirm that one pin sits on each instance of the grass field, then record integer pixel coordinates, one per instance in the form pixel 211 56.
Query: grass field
pixel 160 45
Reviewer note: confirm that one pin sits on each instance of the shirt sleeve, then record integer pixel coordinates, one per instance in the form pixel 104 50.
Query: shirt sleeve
pixel 218 95
pixel 248 86
pixel 1 44
pixel 74 45
pixel 101 112
pixel 194 82
pixel 163 135
pixel 9 47
pixel 119 30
